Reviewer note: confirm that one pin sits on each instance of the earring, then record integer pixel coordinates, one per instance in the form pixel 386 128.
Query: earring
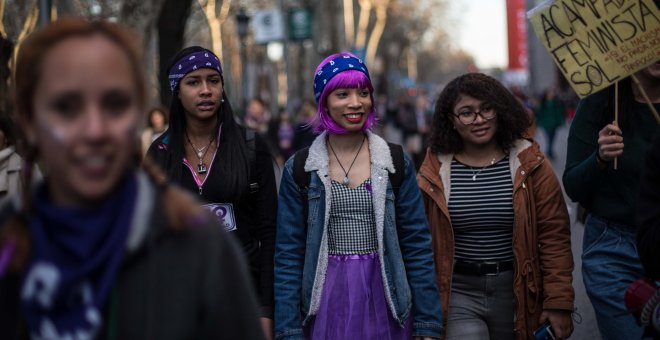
pixel 222 100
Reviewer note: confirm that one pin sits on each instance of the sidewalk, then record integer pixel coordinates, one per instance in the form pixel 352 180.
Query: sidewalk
pixel 587 329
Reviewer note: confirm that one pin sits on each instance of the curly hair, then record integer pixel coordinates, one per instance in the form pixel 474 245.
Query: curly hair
pixel 512 120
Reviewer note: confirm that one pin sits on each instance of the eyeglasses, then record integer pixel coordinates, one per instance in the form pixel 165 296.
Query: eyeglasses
pixel 469 117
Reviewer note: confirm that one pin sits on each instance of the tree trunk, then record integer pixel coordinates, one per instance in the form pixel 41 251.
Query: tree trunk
pixel 6 48
pixel 349 23
pixel 377 32
pixel 141 16
pixel 363 23
pixel 171 26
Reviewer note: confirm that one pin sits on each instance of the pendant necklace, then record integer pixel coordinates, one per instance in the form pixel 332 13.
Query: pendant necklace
pixel 200 153
pixel 474 175
pixel 346 181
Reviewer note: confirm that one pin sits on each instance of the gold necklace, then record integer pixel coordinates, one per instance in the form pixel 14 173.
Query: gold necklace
pixel 474 175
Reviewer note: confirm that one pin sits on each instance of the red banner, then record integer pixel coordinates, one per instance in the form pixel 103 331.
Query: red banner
pixel 517 34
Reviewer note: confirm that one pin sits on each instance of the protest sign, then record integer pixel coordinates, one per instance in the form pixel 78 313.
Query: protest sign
pixel 596 43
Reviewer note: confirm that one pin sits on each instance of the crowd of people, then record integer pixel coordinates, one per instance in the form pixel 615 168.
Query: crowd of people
pixel 179 230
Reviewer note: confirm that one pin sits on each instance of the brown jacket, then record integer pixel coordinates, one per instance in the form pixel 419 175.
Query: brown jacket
pixel 541 234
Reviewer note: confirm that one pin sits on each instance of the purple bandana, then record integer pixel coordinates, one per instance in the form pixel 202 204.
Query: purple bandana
pixel 332 68
pixel 192 62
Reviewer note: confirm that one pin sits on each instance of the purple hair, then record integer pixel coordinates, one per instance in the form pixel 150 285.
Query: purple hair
pixel 347 79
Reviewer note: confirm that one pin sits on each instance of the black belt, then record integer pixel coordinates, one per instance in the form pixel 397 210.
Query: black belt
pixel 482 268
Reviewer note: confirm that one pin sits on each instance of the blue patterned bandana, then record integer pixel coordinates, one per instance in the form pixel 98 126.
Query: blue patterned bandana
pixel 334 67
pixel 192 62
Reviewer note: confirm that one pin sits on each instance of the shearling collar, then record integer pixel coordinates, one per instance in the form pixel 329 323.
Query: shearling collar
pixel 524 155
pixel 317 159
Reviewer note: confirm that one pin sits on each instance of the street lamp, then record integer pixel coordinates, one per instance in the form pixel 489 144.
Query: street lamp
pixel 242 22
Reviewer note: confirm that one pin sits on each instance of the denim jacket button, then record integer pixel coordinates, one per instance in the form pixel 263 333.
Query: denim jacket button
pixel 522 172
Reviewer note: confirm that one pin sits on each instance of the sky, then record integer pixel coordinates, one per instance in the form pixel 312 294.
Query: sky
pixel 480 29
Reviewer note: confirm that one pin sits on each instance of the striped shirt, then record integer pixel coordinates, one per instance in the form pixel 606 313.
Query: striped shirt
pixel 481 210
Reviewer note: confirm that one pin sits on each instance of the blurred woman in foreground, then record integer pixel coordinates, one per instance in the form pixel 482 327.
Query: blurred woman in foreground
pixel 101 249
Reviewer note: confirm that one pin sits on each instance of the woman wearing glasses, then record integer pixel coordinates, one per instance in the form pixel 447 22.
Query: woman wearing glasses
pixel 499 223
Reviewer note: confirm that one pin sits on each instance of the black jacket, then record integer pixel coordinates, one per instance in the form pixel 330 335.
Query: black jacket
pixel 255 213
pixel 173 284
pixel 648 212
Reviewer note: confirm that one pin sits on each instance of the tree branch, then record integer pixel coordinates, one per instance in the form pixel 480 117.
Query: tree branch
pixel 363 23
pixel 377 32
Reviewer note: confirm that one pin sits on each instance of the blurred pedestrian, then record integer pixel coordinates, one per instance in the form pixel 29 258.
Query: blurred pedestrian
pixel 360 265
pixel 609 258
pixel 257 117
pixel 282 133
pixel 101 249
pixel 550 116
pixel 229 167
pixel 304 134
pixel 11 163
pixel 501 233
pixel 156 125
pixel 527 104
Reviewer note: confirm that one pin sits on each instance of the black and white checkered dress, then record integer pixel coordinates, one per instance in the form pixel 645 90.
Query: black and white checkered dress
pixel 352 226
pixel 353 303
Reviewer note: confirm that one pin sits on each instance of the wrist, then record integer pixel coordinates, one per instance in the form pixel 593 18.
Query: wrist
pixel 600 161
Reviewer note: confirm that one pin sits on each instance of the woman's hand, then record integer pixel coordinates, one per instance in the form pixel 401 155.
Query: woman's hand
pixel 610 142
pixel 560 320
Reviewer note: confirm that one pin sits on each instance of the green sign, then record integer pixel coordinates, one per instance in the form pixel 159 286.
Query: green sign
pixel 300 23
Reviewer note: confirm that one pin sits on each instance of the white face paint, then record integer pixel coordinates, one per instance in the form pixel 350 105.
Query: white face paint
pixel 57 133
pixel 86 117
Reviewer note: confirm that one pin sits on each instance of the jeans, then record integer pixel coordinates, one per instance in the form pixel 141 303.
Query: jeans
pixel 481 307
pixel 609 264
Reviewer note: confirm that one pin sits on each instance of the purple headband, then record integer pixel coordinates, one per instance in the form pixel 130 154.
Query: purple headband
pixel 332 68
pixel 192 62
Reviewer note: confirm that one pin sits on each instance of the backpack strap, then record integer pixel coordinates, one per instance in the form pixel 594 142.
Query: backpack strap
pixel 250 142
pixel 302 178
pixel 396 178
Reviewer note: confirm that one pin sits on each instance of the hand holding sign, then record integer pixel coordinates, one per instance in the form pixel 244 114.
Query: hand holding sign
pixel 610 143
pixel 596 43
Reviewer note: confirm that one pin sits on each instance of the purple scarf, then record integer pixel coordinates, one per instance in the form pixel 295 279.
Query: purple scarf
pixel 76 255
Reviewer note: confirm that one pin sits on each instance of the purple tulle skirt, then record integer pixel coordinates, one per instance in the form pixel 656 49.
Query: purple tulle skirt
pixel 353 303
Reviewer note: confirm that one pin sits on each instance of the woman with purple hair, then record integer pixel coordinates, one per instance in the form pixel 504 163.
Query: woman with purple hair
pixel 353 253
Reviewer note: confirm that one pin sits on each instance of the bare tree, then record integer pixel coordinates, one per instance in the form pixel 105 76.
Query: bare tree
pixel 6 47
pixel 215 21
pixel 363 23
pixel 349 22
pixel 141 16
pixel 377 32
pixel 28 26
pixel 171 26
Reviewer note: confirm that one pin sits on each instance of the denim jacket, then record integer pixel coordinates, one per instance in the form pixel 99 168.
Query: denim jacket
pixel 404 244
